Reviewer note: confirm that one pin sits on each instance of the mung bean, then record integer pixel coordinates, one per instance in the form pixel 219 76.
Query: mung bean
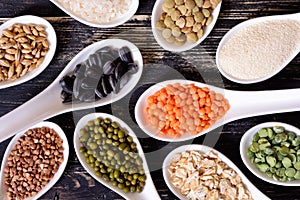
pixel 112 153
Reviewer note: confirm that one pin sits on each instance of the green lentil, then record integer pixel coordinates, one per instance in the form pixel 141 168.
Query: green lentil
pixel 275 152
pixel 112 153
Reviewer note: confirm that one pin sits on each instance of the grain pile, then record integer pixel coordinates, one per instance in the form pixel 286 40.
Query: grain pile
pixel 32 163
pixel 258 50
pixel 202 176
pixel 97 11
pixel 23 48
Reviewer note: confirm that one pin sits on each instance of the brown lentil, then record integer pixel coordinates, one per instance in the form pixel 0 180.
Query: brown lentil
pixel 189 16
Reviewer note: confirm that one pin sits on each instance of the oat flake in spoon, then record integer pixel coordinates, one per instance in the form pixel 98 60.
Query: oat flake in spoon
pixel 260 49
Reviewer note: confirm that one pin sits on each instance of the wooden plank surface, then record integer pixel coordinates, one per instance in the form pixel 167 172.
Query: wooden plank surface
pixel 197 64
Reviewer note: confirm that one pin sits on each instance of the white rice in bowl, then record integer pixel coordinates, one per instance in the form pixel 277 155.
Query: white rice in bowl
pixel 97 11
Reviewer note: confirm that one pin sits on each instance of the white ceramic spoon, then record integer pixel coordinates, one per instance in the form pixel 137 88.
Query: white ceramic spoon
pixel 149 191
pixel 61 168
pixel 115 22
pixel 243 104
pixel 247 23
pixel 156 14
pixel 256 194
pixel 246 142
pixel 27 19
pixel 48 103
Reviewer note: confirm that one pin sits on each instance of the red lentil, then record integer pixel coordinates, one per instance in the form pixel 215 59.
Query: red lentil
pixel 178 109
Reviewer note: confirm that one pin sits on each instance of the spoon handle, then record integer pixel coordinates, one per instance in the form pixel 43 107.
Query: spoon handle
pixel 247 104
pixel 39 108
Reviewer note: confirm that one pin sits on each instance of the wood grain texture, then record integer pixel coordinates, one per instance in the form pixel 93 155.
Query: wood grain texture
pixel 197 64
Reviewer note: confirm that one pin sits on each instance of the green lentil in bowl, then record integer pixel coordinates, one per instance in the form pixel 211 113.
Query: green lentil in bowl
pixel 275 151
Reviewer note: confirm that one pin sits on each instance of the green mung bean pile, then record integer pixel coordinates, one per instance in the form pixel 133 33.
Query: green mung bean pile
pixel 112 153
pixel 276 152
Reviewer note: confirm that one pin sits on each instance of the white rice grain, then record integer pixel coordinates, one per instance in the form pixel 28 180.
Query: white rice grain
pixel 97 11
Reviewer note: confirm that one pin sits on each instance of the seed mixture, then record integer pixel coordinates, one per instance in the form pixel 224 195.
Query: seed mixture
pixel 97 11
pixel 258 50
pixel 22 49
pixel 185 20
pixel 32 163
pixel 113 154
pixel 276 152
pixel 177 109
pixel 201 176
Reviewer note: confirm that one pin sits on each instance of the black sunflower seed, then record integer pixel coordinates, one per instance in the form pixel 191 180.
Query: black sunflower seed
pixel 79 70
pixel 99 92
pixel 132 68
pixel 67 83
pixel 109 68
pixel 125 54
pixel 121 69
pixel 113 83
pixel 105 84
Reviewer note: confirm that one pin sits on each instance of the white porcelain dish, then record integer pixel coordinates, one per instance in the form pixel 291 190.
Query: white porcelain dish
pixel 149 191
pixel 156 14
pixel 48 103
pixel 256 194
pixel 26 19
pixel 242 104
pixel 246 142
pixel 243 25
pixel 57 175
pixel 115 22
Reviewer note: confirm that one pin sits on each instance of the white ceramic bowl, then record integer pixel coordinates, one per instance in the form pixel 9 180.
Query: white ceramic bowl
pixel 246 142
pixel 156 14
pixel 256 194
pixel 52 47
pixel 115 22
pixel 57 175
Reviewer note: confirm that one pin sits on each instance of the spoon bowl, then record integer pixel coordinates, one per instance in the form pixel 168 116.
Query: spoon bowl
pixel 242 104
pixel 156 14
pixel 48 103
pixel 26 19
pixel 149 191
pixel 57 175
pixel 115 22
pixel 248 23
pixel 246 142
pixel 256 194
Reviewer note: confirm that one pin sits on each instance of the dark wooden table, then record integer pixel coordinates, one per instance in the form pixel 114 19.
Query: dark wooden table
pixel 197 64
